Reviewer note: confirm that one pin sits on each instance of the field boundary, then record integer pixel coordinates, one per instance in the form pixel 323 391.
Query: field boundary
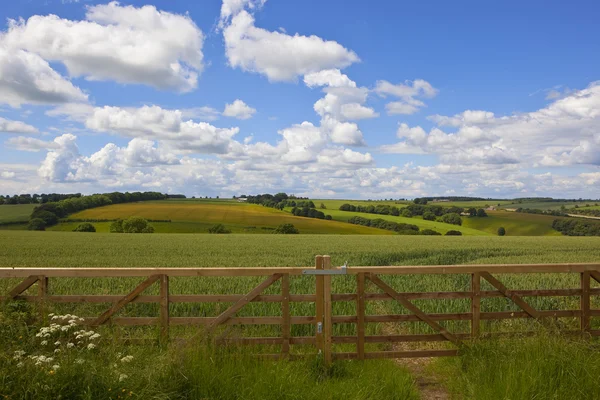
pixel 323 319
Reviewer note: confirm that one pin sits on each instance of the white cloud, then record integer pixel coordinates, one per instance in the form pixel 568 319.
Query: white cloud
pixel 278 56
pixel 8 126
pixel 238 109
pixel 121 43
pixel 407 92
pixel 7 175
pixel 30 144
pixel 355 111
pixel 468 117
pixel 25 78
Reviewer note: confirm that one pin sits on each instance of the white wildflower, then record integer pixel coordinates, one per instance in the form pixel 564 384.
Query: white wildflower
pixel 79 361
pixel 20 364
pixel 65 328
pixel 95 336
pixel 18 354
pixel 49 359
pixel 56 351
pixel 55 367
pixel 55 317
pixel 70 345
pixel 122 377
pixel 126 359
pixel 44 342
pixel 51 315
pixel 57 343
pixel 91 346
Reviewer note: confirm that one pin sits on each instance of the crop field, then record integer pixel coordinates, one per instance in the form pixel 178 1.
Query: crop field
pixel 236 216
pixel 335 204
pixel 545 205
pixel 516 224
pixel 15 212
pixel 420 222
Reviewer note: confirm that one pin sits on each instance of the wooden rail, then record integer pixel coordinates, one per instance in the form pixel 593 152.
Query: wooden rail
pixel 324 321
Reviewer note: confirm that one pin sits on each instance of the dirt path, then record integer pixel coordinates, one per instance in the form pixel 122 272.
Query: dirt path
pixel 429 385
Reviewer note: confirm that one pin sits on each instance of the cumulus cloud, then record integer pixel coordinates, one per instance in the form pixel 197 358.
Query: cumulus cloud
pixel 407 93
pixel 120 43
pixel 26 78
pixel 277 55
pixel 8 126
pixel 238 109
pixel 30 144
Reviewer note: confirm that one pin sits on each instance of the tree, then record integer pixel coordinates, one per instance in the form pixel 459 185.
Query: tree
pixel 406 213
pixel 218 228
pixel 430 232
pixel 451 218
pixel 472 212
pixel 286 229
pixel 49 217
pixel 85 227
pixel 328 217
pixel 37 224
pixel 322 206
pixel 501 231
pixel 116 226
pixel 453 233
pixel 136 225
pixel 429 216
pixel 481 213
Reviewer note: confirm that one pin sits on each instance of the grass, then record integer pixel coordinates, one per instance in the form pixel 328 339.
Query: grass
pixel 421 223
pixel 516 224
pixel 544 367
pixel 15 212
pixel 236 216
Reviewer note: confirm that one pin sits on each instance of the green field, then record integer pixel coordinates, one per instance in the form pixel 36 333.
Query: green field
pixel 15 212
pixel 197 216
pixel 516 224
pixel 420 222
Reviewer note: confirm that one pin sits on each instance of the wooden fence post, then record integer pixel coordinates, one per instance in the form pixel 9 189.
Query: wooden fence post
pixel 585 302
pixel 327 313
pixel 164 309
pixel 42 293
pixel 475 304
pixel 319 306
pixel 286 327
pixel 360 314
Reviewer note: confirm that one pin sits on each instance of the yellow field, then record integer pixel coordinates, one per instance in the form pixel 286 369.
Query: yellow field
pixel 235 216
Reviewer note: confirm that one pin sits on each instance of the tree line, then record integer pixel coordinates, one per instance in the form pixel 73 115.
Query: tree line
pixel 576 227
pixel 36 198
pixel 301 207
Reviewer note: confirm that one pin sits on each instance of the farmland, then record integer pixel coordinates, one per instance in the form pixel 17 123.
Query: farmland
pixel 15 213
pixel 516 224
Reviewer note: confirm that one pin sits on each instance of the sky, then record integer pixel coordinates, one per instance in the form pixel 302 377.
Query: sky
pixel 327 99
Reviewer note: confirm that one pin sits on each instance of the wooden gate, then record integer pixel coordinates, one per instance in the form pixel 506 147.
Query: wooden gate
pixel 324 321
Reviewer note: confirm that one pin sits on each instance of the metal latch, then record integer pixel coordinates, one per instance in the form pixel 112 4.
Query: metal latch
pixel 338 271
pixel 319 327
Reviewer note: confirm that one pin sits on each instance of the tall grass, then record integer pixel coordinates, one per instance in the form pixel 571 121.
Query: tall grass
pixel 544 367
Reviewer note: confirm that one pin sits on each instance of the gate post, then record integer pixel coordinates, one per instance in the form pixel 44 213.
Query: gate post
pixel 319 306
pixel 327 314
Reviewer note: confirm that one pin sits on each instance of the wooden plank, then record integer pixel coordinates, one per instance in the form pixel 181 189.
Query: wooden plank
pixel 319 306
pixel 514 297
pixel 126 299
pixel 585 302
pixel 595 275
pixel 397 354
pixel 264 271
pixel 23 286
pixel 475 304
pixel 414 309
pixel 294 320
pixel 266 340
pixel 286 327
pixel 225 315
pixel 360 314
pixel 327 313
pixel 164 309
pixel 42 296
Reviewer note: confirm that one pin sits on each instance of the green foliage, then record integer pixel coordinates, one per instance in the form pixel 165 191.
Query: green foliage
pixel 577 227
pixel 49 217
pixel 403 229
pixel 406 213
pixel 430 232
pixel 116 226
pixel 453 233
pixel 85 227
pixel 37 224
pixel 218 228
pixel 501 231
pixel 429 216
pixel 286 229
pixel 452 218
pixel 136 225
pixel 481 213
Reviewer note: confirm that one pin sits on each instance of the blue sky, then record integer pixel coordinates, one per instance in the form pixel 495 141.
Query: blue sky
pixel 341 99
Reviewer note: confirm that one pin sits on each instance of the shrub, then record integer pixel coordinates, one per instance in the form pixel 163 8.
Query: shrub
pixel 481 213
pixel 406 213
pixel 430 232
pixel 328 217
pixel 501 231
pixel 136 225
pixel 85 227
pixel 429 216
pixel 218 228
pixel 453 233
pixel 286 229
pixel 37 224
pixel 451 218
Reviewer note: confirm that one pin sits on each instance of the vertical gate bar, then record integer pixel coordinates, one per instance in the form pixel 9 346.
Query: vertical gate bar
pixel 585 301
pixel 319 307
pixel 360 314
pixel 475 304
pixel 164 309
pixel 42 293
pixel 327 313
pixel 285 311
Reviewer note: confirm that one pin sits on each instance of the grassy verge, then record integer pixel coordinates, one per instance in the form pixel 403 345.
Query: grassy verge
pixel 77 365
pixel 541 367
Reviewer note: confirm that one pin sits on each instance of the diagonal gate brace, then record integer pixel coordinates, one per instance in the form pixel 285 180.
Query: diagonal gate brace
pixel 507 293
pixel 23 286
pixel 412 308
pixel 126 300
